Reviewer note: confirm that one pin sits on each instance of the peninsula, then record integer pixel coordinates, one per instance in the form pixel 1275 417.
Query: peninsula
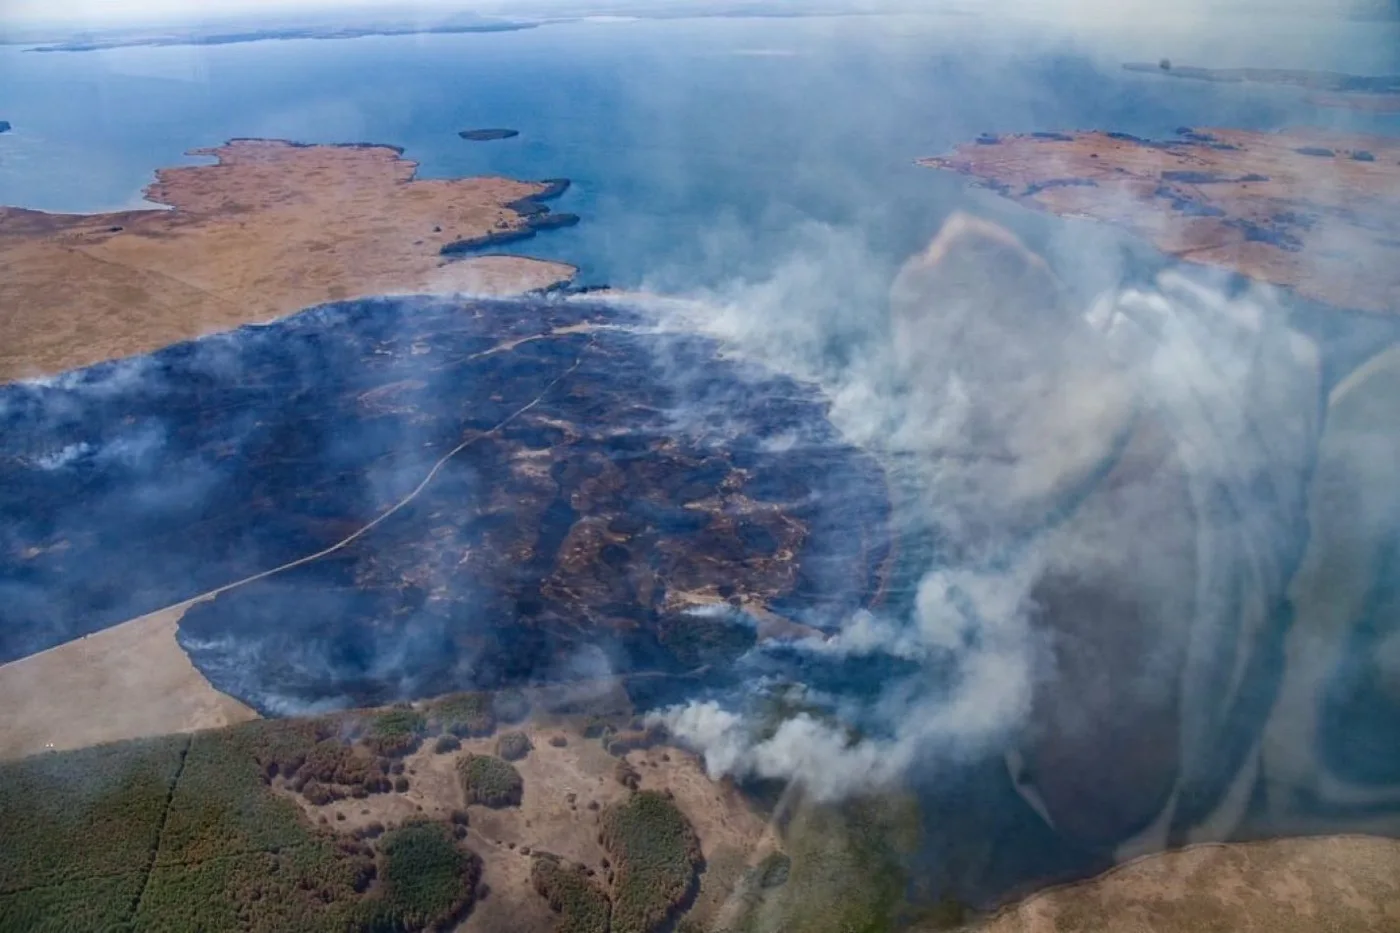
pixel 1302 209
pixel 271 227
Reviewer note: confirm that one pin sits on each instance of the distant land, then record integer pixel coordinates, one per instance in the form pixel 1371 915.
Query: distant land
pixel 1334 89
pixel 274 227
pixel 4 126
pixel 487 135
pixel 1246 201
pixel 203 36
pixel 1280 885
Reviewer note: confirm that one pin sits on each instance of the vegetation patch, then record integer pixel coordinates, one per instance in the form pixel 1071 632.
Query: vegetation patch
pixel 309 888
pixel 581 904
pixel 77 815
pixel 489 781
pixel 657 856
pixel 844 872
pixel 428 879
pixel 396 733
pixel 463 714
pixel 222 805
pixel 86 904
pixel 513 746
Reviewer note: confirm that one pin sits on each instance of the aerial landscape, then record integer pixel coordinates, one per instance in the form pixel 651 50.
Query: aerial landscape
pixel 478 467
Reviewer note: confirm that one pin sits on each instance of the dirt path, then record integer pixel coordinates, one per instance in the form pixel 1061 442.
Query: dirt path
pixel 133 679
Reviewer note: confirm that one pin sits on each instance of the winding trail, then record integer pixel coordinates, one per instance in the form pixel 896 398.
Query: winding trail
pixel 377 520
pixel 406 500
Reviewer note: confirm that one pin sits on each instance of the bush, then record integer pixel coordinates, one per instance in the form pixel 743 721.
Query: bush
pixel 396 733
pixel 657 856
pixel 428 879
pixel 463 714
pixel 513 746
pixel 401 784
pixel 583 906
pixel 446 744
pixel 489 781
pixel 558 741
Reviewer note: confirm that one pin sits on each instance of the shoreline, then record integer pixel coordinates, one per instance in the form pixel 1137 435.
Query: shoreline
pixel 320 223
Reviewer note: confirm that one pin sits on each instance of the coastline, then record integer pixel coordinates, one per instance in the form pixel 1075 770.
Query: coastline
pixel 268 227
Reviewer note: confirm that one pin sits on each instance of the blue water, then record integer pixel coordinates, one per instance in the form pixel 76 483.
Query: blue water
pixel 703 150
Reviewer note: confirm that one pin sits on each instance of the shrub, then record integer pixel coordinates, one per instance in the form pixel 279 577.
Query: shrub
pixel 428 880
pixel 558 741
pixel 583 906
pixel 401 784
pixel 489 781
pixel 446 744
pixel 396 733
pixel 513 746
pixel 463 714
pixel 657 856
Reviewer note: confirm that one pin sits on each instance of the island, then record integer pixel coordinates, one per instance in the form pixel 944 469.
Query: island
pixel 487 135
pixel 4 126
pixel 1330 88
pixel 1302 209
pixel 269 227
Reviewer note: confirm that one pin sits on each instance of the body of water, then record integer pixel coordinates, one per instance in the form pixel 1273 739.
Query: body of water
pixel 703 151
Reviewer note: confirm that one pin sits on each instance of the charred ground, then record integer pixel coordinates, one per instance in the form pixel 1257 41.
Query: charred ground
pixel 589 480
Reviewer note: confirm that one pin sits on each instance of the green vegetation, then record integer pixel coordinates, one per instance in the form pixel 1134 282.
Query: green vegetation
pixel 396 733
pixel 428 879
pixel 79 815
pixel 446 744
pixel 844 871
pixel 773 871
pixel 657 856
pixel 582 905
pixel 513 746
pixel 103 903
pixel 187 833
pixel 309 888
pixel 222 806
pixel 463 715
pixel 489 781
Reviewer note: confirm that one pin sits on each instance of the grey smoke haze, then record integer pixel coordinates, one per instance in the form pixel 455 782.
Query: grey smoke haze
pixel 1007 400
